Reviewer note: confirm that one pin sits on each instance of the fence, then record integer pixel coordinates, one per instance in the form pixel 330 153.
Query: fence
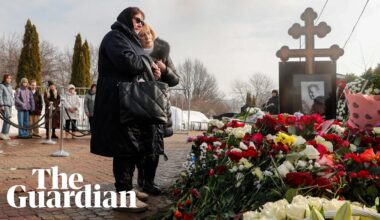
pixel 178 100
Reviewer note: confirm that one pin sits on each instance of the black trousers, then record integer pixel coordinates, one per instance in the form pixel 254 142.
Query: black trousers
pixel 91 121
pixel 71 124
pixel 123 168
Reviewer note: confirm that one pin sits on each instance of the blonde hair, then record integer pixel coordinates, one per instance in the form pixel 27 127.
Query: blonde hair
pixel 147 28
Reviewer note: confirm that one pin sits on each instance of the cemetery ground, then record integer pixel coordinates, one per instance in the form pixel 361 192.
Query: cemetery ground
pixel 18 157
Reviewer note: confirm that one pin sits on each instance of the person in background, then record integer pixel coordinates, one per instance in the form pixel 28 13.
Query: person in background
pixel 89 102
pixel 24 103
pixel 51 95
pixel 34 116
pixel 6 103
pixel 71 114
pixel 159 50
pixel 272 105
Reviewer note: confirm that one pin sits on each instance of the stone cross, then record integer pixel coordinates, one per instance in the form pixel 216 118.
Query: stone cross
pixel 309 30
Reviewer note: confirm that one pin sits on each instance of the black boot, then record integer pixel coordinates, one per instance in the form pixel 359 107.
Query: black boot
pixel 123 168
pixel 150 167
pixel 140 173
pixel 53 134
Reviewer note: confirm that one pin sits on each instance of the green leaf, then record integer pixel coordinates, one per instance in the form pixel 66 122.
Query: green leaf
pixel 292 157
pixel 372 191
pixel 357 141
pixel 374 170
pixel 344 212
pixel 316 215
pixel 290 194
pixel 292 130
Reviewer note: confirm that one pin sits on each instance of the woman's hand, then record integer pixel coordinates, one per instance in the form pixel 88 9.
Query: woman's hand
pixel 161 65
pixel 156 71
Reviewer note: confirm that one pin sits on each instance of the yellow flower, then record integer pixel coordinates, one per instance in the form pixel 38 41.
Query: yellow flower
pixel 285 139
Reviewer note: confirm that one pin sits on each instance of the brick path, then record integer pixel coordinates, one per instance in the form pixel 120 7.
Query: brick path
pixel 19 157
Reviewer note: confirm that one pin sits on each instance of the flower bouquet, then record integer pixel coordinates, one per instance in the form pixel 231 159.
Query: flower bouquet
pixel 362 97
pixel 237 167
pixel 314 208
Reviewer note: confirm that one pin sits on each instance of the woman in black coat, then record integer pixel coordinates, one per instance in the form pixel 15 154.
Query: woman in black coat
pixel 158 50
pixel 120 59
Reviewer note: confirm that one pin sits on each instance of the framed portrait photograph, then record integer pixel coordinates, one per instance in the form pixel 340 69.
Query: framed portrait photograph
pixel 310 91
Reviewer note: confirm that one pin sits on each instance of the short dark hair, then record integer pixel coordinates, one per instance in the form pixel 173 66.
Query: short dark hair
pixel 275 91
pixel 92 86
pixel 5 77
pixel 312 85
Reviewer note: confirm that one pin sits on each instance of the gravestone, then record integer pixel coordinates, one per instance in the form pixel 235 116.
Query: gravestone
pixel 308 86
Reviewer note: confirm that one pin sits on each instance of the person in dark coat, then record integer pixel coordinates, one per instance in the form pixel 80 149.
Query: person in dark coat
pixel 35 115
pixel 89 103
pixel 159 50
pixel 121 59
pixel 272 105
pixel 51 95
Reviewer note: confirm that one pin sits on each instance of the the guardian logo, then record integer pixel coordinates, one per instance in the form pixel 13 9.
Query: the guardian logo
pixel 63 191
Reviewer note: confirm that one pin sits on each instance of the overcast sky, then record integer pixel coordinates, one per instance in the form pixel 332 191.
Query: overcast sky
pixel 233 38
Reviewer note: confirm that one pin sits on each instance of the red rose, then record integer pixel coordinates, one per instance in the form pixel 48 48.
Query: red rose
pixel 363 174
pixel 353 175
pixel 211 173
pixel 178 214
pixel 220 169
pixel 323 183
pixel 258 138
pixel 195 193
pixel 249 153
pixel 299 178
pixel 290 120
pixel 368 155
pixel 235 155
pixel 353 157
pixel 235 124
pixel 321 149
pixel 188 217
pixel 188 202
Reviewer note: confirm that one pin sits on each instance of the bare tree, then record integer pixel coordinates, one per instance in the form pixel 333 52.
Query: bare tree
pixel 94 56
pixel 10 50
pixel 196 78
pixel 259 84
pixel 202 87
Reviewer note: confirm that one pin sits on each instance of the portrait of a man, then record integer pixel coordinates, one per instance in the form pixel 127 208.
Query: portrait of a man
pixel 312 94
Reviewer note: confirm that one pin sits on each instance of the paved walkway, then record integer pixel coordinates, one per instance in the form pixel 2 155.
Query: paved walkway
pixel 19 157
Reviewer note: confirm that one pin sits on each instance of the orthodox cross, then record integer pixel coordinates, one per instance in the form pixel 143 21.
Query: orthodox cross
pixel 309 30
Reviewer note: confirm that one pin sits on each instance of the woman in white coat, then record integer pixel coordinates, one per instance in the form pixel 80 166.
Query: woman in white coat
pixel 71 113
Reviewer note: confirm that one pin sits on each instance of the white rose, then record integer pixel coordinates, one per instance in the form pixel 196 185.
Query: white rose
pixel 289 165
pixel 299 199
pixel 229 130
pixel 282 170
pixel 270 137
pixel 296 211
pixel 299 140
pixel 310 152
pixel 233 169
pixel 377 91
pixel 243 146
pixel 353 148
pixel 217 143
pixel 332 205
pixel 376 130
pixel 267 173
pixel 315 202
pixel 338 129
pixel 301 163
pixel 251 215
pixel 251 144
